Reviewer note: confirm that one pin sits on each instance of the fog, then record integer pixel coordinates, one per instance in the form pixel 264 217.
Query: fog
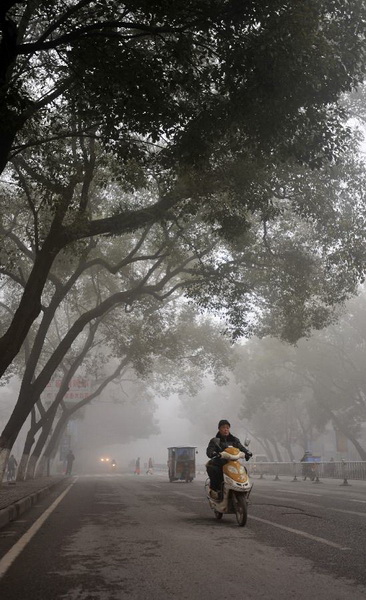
pixel 286 399
pixel 145 428
pixel 173 428
pixel 188 253
pixel 263 397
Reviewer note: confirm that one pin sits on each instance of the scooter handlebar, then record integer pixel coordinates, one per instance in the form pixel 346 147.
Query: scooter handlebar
pixel 228 456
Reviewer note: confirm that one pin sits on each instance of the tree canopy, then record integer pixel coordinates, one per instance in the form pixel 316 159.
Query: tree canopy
pixel 206 98
pixel 303 388
pixel 192 75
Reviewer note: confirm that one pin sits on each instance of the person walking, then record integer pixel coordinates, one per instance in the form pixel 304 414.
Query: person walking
pixel 137 466
pixel 69 461
pixel 149 467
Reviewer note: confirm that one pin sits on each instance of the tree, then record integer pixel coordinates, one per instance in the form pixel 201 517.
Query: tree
pixel 203 83
pixel 165 348
pixel 319 381
pixel 243 276
pixel 190 62
pixel 149 268
pixel 278 405
pixel 331 365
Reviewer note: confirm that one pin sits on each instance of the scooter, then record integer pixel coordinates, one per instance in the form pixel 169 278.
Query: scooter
pixel 235 490
pixel 308 470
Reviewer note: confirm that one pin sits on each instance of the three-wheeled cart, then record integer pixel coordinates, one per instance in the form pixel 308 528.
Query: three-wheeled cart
pixel 182 463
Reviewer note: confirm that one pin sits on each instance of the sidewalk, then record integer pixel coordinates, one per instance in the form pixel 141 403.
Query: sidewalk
pixel 16 498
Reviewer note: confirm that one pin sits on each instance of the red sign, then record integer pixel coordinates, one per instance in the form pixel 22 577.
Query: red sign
pixel 79 388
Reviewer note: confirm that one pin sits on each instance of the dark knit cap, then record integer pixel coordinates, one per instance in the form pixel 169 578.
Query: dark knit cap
pixel 223 422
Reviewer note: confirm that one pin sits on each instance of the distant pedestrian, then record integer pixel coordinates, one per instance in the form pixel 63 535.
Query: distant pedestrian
pixel 69 461
pixel 137 466
pixel 11 468
pixel 149 467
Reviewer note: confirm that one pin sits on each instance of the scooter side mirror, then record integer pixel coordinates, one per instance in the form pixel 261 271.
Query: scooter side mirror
pixel 217 442
pixel 246 442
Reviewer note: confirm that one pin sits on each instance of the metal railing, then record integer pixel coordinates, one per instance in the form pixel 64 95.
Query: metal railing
pixel 317 470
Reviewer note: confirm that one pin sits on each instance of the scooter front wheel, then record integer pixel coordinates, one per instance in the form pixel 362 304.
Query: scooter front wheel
pixel 241 509
pixel 218 515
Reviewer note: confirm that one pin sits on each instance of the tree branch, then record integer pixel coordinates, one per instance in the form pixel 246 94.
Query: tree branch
pixel 83 32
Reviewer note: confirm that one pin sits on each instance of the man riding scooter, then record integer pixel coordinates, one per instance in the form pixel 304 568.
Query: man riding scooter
pixel 308 467
pixel 222 440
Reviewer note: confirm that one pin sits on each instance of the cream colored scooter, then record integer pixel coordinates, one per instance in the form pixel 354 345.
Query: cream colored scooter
pixel 236 488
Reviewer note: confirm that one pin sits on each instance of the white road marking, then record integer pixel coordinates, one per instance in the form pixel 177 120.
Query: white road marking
pixel 304 502
pixel 14 552
pixel 342 510
pixel 350 512
pixel 300 493
pixel 302 533
pixel 353 500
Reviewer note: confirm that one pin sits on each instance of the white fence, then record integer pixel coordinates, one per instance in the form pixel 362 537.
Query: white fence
pixel 316 470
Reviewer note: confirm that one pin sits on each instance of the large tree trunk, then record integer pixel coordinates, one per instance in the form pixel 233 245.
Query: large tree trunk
pixel 42 467
pixel 31 466
pixel 304 436
pixel 277 450
pixel 288 449
pixel 22 467
pixel 31 364
pixel 54 440
pixel 29 306
pixel 6 444
pixel 268 450
pixel 40 444
pixel 17 419
pixel 29 396
pixel 51 448
pixel 14 425
pixel 4 455
pixel 10 122
pixel 340 425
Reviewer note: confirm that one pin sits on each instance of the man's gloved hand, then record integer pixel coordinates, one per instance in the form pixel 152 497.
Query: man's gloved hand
pixel 248 455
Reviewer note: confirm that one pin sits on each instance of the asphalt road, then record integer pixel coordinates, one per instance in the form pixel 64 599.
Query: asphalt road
pixel 117 537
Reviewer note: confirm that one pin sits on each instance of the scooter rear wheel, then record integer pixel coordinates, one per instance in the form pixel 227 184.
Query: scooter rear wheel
pixel 241 509
pixel 218 515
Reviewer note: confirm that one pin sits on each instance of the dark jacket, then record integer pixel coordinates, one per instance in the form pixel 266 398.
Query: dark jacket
pixel 229 440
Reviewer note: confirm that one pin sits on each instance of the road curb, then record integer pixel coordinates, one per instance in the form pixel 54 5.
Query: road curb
pixel 15 510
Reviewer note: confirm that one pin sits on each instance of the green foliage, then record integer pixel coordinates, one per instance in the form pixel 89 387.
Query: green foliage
pixel 202 108
pixel 320 381
pixel 266 76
